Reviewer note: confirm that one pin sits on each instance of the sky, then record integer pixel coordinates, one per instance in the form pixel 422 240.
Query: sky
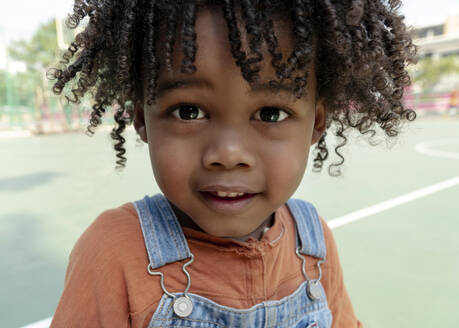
pixel 19 18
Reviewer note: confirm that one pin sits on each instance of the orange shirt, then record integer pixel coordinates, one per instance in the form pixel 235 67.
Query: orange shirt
pixel 107 283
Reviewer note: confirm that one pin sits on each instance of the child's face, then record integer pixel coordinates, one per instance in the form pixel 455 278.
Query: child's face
pixel 209 134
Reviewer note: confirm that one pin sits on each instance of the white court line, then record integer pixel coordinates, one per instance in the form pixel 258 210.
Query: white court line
pixel 40 324
pixel 354 216
pixel 426 148
pixel 14 134
pixel 346 219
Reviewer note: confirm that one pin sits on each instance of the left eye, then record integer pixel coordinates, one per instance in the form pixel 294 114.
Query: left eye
pixel 271 114
pixel 188 113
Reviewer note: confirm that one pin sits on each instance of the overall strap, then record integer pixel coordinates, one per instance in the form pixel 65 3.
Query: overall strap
pixel 164 238
pixel 309 228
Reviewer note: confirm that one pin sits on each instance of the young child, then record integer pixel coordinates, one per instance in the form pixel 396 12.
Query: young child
pixel 229 95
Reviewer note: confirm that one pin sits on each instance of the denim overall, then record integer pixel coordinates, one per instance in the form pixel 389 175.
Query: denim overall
pixel 165 243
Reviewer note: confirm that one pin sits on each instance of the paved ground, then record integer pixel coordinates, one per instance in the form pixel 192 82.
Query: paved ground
pixel 401 265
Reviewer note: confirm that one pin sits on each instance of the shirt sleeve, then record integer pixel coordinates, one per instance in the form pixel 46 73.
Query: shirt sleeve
pixel 338 298
pixel 95 293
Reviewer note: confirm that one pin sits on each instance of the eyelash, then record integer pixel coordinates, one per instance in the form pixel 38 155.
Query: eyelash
pixel 177 107
pixel 282 112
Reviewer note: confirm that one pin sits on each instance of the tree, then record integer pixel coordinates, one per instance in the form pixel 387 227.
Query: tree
pixel 40 52
pixel 32 88
pixel 3 91
pixel 428 72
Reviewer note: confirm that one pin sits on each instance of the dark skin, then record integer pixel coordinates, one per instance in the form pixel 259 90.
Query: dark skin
pixel 213 132
pixel 187 222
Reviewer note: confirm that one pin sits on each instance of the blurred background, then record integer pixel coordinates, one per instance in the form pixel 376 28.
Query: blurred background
pixel 401 267
pixel 31 39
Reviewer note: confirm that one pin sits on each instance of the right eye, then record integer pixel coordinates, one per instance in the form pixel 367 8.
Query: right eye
pixel 188 113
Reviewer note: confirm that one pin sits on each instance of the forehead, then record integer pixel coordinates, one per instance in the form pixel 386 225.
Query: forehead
pixel 214 56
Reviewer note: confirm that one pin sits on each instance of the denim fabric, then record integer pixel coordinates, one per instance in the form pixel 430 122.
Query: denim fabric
pixel 309 228
pixel 163 236
pixel 166 243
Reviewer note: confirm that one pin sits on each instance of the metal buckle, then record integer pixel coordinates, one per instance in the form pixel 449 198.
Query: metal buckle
pixel 313 285
pixel 183 306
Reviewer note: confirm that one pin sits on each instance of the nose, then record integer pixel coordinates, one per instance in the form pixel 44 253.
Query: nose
pixel 228 149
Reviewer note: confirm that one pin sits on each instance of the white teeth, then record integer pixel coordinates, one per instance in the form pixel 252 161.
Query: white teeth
pixel 229 194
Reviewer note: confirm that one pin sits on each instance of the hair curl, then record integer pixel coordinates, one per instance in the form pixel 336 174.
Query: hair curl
pixel 360 49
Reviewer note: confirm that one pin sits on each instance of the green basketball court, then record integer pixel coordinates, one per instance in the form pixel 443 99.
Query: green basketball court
pixel 398 215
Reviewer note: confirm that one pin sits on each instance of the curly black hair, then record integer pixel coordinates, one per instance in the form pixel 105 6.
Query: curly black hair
pixel 360 49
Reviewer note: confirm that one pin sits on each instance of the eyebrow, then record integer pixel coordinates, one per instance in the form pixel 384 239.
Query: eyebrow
pixel 169 85
pixel 265 87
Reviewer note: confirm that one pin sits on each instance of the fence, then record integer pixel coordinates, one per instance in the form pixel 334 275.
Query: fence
pixel 59 118
pixel 429 102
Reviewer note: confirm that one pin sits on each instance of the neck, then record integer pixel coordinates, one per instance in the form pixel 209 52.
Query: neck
pixel 258 232
pixel 186 221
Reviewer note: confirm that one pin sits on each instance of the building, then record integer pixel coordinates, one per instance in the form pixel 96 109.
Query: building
pixel 438 40
pixel 435 41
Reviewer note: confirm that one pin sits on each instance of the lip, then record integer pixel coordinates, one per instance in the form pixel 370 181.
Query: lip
pixel 227 206
pixel 227 188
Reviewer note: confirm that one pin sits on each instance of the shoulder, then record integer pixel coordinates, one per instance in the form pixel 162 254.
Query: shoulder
pixel 318 234
pixel 96 288
pixel 338 298
pixel 332 259
pixel 318 224
pixel 328 234
pixel 109 237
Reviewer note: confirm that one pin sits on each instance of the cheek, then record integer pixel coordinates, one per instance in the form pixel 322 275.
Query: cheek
pixel 287 164
pixel 171 160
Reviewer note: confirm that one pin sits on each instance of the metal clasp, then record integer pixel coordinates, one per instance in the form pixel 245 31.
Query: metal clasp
pixel 182 305
pixel 313 285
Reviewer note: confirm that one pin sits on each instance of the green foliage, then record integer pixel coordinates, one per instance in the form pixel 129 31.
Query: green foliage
pixel 40 52
pixel 24 85
pixel 21 86
pixel 428 72
pixel 3 81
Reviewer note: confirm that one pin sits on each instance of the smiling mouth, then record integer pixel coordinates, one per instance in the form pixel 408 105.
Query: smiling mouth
pixel 227 203
pixel 226 196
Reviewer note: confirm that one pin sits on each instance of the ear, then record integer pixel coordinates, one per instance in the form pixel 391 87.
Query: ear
pixel 139 122
pixel 320 122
